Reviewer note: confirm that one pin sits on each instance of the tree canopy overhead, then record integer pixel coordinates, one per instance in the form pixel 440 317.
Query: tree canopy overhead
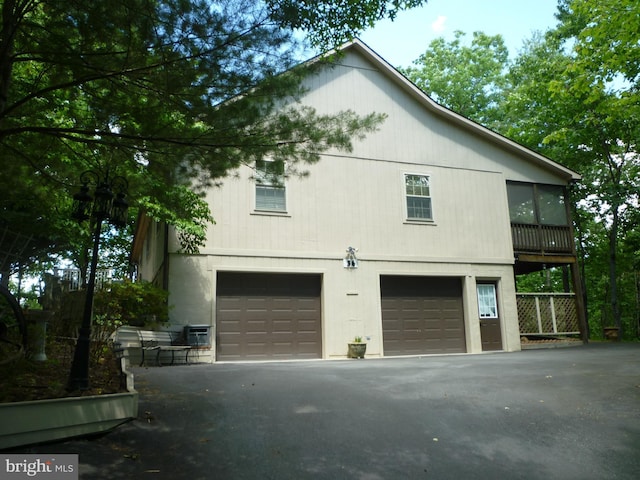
pixel 167 93
pixel 331 22
pixel 468 79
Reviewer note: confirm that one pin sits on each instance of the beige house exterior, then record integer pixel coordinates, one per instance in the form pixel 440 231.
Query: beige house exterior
pixel 424 204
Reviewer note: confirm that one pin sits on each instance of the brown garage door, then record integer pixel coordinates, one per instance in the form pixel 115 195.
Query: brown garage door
pixel 422 315
pixel 263 316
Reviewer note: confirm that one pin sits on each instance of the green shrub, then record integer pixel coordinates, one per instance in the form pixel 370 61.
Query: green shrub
pixel 132 303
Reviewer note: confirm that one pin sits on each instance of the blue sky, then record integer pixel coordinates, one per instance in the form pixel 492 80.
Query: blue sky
pixel 402 41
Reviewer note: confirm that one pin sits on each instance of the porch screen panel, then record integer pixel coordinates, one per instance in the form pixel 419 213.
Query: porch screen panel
pixel 551 203
pixel 522 207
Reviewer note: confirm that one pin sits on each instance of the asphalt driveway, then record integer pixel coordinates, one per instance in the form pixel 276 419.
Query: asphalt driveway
pixel 571 413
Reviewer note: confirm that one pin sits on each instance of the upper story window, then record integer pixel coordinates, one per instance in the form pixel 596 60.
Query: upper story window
pixel 533 204
pixel 418 193
pixel 270 189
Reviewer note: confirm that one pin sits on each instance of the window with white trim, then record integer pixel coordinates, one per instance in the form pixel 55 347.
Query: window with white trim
pixel 270 189
pixel 418 194
pixel 487 301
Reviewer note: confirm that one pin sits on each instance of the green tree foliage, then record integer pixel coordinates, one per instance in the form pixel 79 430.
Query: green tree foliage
pixel 132 303
pixel 548 280
pixel 606 40
pixel 468 79
pixel 331 22
pixel 586 116
pixel 170 94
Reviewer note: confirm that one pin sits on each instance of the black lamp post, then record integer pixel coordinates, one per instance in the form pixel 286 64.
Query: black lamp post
pixel 108 203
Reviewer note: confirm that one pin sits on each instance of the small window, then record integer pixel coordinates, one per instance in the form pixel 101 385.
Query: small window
pixel 270 189
pixel 418 192
pixel 487 302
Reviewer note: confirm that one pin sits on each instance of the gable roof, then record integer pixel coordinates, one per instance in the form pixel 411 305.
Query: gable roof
pixel 427 102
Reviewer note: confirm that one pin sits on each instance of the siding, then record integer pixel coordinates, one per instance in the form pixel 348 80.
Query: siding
pixel 361 203
pixel 411 133
pixel 358 199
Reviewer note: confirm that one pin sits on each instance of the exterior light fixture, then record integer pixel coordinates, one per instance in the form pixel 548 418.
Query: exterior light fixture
pixel 350 261
pixel 82 204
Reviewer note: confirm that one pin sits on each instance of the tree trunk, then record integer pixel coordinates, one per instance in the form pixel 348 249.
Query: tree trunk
pixel 7 37
pixel 636 279
pixel 578 271
pixel 613 244
pixel 4 278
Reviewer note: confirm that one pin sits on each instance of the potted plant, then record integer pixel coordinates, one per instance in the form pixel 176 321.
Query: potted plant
pixel 357 348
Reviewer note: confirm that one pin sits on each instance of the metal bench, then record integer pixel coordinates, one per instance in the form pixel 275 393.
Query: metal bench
pixel 162 341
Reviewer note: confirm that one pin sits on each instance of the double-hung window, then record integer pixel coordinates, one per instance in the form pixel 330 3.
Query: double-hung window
pixel 270 189
pixel 418 194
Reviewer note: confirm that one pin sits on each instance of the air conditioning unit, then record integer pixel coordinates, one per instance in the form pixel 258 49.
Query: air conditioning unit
pixel 198 336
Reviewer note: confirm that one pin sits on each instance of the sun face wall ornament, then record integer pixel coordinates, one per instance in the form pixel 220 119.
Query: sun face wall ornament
pixel 350 261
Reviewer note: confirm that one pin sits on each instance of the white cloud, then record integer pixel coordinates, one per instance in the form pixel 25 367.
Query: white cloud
pixel 439 25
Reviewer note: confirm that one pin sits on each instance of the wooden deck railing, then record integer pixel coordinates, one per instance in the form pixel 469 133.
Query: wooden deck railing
pixel 541 238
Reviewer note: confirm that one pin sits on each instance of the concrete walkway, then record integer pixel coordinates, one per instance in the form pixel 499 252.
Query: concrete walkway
pixel 570 413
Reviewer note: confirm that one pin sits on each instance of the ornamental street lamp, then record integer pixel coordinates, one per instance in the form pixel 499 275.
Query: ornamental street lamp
pixel 108 203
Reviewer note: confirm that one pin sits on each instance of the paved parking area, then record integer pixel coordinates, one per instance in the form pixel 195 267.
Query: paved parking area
pixel 570 413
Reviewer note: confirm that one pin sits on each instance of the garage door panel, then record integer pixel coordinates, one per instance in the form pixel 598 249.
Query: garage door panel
pixel 231 339
pixel 277 316
pixel 422 315
pixel 232 345
pixel 307 348
pixel 281 326
pixel 252 350
pixel 307 328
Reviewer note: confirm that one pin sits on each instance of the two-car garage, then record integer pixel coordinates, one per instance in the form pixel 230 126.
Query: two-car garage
pixel 277 316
